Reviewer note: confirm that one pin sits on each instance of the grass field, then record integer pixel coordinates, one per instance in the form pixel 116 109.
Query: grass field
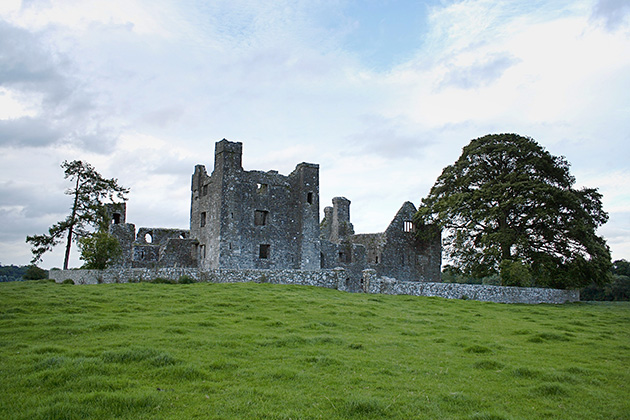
pixel 262 351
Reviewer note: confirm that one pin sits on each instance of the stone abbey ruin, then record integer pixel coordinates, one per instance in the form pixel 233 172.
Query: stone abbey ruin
pixel 264 220
pixel 264 227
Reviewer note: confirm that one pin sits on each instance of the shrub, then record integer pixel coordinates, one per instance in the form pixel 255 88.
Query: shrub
pixel 68 281
pixel 186 280
pixel 33 272
pixel 99 250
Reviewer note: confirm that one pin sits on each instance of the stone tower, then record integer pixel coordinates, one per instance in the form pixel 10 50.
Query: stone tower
pixel 254 219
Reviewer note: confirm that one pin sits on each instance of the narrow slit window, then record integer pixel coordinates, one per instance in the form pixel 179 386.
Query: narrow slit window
pixel 263 252
pixel 202 222
pixel 261 217
pixel 309 198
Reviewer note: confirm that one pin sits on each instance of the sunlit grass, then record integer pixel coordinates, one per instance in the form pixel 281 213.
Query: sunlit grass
pixel 261 351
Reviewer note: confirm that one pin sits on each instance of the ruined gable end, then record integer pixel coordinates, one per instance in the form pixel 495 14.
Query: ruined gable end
pixel 395 253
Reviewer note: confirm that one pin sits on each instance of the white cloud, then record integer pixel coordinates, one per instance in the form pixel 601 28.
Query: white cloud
pixel 145 18
pixel 13 105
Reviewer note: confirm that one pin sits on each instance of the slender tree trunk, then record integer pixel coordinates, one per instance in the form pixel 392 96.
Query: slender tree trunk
pixel 71 227
pixel 67 257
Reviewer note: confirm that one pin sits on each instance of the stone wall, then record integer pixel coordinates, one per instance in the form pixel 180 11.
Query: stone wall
pixel 483 293
pixel 337 278
pixel 333 279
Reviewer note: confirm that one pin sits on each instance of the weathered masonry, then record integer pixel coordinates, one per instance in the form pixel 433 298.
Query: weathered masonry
pixel 333 279
pixel 242 220
pixel 396 253
pixel 253 219
pixel 151 247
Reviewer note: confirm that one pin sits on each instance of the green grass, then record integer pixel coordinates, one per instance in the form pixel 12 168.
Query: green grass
pixel 262 351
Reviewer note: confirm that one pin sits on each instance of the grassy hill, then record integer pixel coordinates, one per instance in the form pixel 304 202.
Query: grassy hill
pixel 262 351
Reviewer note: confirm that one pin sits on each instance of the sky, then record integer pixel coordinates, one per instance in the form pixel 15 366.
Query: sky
pixel 381 94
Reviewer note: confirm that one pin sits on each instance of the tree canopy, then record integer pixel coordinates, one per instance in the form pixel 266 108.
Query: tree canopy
pixel 508 206
pixel 99 250
pixel 90 190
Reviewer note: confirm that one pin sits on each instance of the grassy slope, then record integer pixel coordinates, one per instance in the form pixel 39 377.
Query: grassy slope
pixel 222 351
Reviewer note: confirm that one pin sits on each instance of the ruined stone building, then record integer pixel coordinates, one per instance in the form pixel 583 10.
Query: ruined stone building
pixel 395 253
pixel 264 220
pixel 151 247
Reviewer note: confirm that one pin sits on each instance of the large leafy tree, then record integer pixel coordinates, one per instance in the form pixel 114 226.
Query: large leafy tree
pixel 508 205
pixel 89 192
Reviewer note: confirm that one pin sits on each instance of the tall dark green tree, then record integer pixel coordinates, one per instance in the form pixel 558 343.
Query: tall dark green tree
pixel 89 192
pixel 508 201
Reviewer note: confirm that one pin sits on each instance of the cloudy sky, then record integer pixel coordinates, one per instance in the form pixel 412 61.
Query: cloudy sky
pixel 382 94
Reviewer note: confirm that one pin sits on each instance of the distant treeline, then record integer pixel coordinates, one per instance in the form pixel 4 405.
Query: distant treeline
pixel 617 289
pixel 23 272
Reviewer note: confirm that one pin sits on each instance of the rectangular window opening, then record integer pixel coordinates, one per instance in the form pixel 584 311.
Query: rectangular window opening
pixel 261 217
pixel 408 226
pixel 202 221
pixel 309 198
pixel 345 257
pixel 261 188
pixel 204 190
pixel 263 252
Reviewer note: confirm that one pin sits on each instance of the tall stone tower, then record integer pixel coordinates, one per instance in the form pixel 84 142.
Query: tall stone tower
pixel 254 219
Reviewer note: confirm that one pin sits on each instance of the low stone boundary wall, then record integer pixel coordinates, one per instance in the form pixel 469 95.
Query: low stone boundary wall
pixel 333 279
pixel 484 293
